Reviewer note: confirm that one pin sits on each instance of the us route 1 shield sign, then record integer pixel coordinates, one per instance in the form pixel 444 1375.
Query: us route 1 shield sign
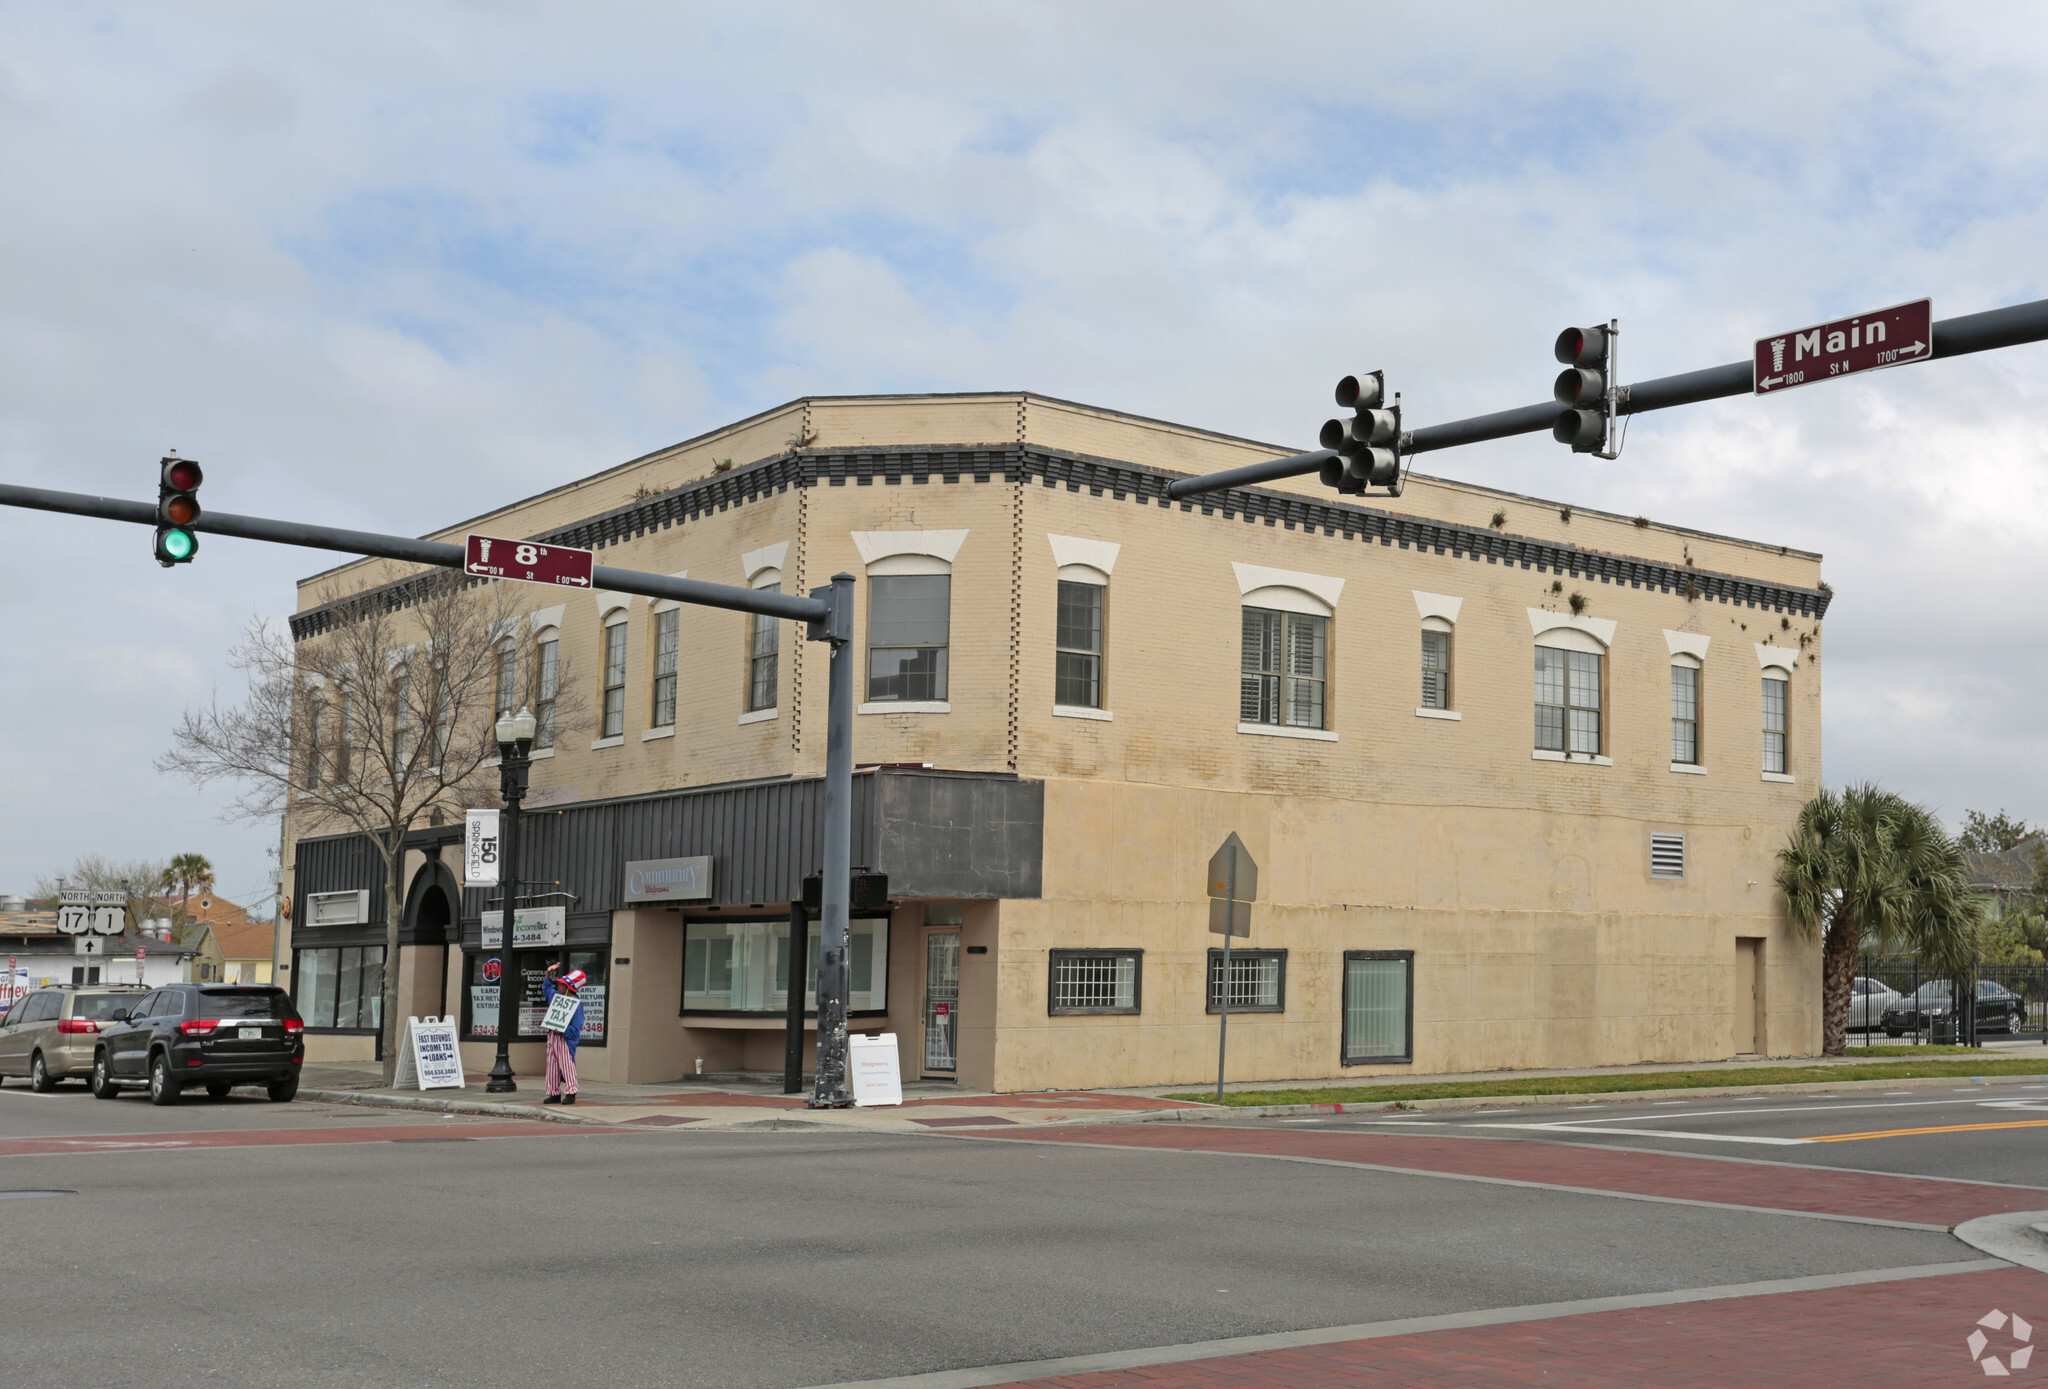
pixel 1883 338
pixel 529 561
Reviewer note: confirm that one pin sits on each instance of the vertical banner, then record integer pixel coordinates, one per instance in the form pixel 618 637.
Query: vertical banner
pixel 480 847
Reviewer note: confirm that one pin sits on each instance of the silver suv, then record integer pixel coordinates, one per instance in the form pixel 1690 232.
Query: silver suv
pixel 49 1034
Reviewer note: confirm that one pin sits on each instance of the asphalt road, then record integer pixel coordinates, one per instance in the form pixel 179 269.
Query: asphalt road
pixel 1981 1133
pixel 308 1244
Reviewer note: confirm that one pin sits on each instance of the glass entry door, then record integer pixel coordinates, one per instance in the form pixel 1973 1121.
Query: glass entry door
pixel 941 1001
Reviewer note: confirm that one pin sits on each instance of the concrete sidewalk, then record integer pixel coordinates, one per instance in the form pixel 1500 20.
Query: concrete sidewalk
pixel 927 1105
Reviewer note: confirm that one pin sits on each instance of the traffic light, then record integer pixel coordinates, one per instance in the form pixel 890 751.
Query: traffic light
pixel 1368 445
pixel 868 892
pixel 1587 421
pixel 177 510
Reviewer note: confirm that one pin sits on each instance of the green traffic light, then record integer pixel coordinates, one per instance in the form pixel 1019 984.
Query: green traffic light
pixel 179 544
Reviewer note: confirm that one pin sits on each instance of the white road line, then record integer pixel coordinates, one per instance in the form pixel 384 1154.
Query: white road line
pixel 1801 1109
pixel 1759 1140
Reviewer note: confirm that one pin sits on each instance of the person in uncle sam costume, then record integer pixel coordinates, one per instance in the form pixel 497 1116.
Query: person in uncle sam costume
pixel 564 1028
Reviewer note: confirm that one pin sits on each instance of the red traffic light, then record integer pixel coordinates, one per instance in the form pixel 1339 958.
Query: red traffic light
pixel 182 474
pixel 1581 347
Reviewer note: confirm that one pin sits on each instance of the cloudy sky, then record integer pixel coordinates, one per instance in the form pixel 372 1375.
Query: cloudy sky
pixel 385 265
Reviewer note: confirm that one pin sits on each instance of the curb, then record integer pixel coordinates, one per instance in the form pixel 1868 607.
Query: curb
pixel 451 1106
pixel 1206 1113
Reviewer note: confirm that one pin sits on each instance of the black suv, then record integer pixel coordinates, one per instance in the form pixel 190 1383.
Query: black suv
pixel 216 1035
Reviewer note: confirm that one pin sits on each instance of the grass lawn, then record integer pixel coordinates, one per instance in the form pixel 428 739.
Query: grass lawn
pixel 1978 1064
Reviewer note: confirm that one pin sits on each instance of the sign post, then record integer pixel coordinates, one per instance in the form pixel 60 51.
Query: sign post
pixel 1233 884
pixel 1824 351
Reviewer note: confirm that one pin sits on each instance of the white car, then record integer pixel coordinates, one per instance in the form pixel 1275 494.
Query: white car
pixel 1868 998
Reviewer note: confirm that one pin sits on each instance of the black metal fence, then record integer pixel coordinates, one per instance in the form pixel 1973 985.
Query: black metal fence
pixel 1985 1020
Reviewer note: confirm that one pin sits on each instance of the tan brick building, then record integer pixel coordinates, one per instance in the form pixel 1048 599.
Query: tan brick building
pixel 1514 774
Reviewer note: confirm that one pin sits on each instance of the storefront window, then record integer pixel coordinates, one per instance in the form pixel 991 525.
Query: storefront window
pixel 484 973
pixel 743 966
pixel 340 986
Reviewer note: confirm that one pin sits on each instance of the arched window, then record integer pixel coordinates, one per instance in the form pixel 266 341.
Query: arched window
pixel 1571 677
pixel 1438 614
pixel 1284 673
pixel 612 668
pixel 1685 709
pixel 547 665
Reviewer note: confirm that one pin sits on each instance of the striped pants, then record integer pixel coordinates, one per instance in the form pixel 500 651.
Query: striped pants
pixel 561 1066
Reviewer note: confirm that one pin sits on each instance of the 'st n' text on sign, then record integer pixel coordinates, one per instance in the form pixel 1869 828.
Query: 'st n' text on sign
pixel 492 557
pixel 1825 351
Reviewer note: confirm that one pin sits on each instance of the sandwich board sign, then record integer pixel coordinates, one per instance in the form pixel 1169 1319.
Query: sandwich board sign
pixel 872 1067
pixel 430 1058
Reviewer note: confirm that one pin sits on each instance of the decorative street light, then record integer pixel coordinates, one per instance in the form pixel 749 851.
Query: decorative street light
pixel 515 743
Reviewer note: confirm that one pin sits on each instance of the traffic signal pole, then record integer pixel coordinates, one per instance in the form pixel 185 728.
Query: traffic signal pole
pixel 828 612
pixel 1953 337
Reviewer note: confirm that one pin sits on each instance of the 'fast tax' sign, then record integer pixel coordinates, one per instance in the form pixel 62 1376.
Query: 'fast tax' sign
pixel 1883 338
pixel 492 557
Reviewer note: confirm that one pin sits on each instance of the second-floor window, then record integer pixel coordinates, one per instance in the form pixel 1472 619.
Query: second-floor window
pixel 546 673
pixel 1567 701
pixel 614 725
pixel 907 636
pixel 401 720
pixel 1774 724
pixel 1283 675
pixel 1685 715
pixel 1436 670
pixel 1077 672
pixel 764 644
pixel 666 625
pixel 507 693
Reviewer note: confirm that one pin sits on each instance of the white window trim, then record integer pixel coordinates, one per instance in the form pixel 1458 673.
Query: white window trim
pixel 889 566
pixel 1286 599
pixel 761 715
pixel 1689 768
pixel 1600 629
pixel 548 617
pixel 906 706
pixel 609 603
pixel 1437 605
pixel 767 557
pixel 1084 574
pixel 648 735
pixel 1686 644
pixel 616 740
pixel 1783 657
pixel 1451 714
pixel 880 545
pixel 1254 578
pixel 1546 755
pixel 1279 730
pixel 1068 550
pixel 540 755
pixel 1779 776
pixel 1081 711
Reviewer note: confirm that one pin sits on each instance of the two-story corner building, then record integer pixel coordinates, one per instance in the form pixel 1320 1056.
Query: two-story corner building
pixel 1514 774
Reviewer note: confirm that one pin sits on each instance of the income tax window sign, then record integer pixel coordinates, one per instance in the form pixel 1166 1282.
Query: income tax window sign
pixel 494 557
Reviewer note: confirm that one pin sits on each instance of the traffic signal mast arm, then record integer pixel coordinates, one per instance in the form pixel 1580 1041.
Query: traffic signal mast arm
pixel 1953 337
pixel 792 606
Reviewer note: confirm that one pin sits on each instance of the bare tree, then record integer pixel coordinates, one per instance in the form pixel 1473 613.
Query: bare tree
pixel 382 719
pixel 98 873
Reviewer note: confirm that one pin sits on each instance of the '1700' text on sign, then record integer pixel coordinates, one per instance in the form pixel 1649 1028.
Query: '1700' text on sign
pixel 493 557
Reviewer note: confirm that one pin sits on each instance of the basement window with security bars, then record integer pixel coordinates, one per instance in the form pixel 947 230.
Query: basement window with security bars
pixel 1095 981
pixel 1667 856
pixel 1283 677
pixel 1258 981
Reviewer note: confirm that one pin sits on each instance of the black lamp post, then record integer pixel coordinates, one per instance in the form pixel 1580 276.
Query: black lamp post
pixel 515 743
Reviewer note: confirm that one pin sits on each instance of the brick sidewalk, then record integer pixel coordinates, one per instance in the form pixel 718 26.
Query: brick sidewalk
pixel 1875 1336
pixel 1735 1182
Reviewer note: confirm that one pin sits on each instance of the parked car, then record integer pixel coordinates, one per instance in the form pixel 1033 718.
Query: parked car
pixel 1868 1001
pixel 1933 1006
pixel 215 1035
pixel 49 1035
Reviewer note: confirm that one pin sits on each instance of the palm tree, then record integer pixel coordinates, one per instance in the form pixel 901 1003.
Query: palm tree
pixel 185 873
pixel 1863 865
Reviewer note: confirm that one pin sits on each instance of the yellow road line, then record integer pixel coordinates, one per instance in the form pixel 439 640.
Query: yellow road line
pixel 1908 1133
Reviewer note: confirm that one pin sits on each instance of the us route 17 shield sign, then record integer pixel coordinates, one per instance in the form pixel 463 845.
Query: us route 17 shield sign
pixel 529 561
pixel 1882 338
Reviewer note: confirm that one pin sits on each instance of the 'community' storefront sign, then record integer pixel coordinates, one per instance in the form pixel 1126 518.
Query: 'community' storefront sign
pixel 669 880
